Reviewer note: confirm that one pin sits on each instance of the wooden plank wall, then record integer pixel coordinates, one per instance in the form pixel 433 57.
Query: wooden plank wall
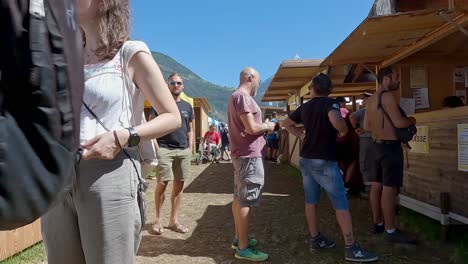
pixel 283 136
pixel 14 241
pixel 430 174
pixel 294 153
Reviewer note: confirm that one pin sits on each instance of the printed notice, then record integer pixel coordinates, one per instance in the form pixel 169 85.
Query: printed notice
pixel 420 142
pixel 466 76
pixel 462 147
pixel 461 94
pixel 421 97
pixel 459 75
pixel 408 105
pixel 418 77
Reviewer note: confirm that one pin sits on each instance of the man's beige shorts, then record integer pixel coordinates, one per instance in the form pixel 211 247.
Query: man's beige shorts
pixel 173 164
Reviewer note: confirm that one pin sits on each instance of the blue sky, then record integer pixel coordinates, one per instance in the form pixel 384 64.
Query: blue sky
pixel 217 38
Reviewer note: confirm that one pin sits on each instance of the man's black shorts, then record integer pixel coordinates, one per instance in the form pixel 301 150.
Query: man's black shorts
pixel 386 163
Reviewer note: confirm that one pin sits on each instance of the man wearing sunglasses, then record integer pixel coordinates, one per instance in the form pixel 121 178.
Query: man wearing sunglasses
pixel 174 156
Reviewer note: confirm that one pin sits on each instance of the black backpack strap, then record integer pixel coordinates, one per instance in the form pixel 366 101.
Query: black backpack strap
pixel 380 107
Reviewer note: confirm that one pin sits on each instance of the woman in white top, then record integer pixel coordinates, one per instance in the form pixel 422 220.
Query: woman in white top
pixel 99 222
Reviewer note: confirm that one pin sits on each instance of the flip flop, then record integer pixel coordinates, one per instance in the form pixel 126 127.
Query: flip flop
pixel 157 230
pixel 178 228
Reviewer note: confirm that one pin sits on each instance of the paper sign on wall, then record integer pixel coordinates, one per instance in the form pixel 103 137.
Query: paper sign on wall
pixel 418 76
pixel 408 105
pixel 466 76
pixel 420 142
pixel 459 75
pixel 421 97
pixel 462 130
pixel 461 94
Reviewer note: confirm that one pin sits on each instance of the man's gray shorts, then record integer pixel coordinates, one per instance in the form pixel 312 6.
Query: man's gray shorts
pixel 249 178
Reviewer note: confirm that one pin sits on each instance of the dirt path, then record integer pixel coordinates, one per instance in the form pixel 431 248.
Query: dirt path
pixel 279 224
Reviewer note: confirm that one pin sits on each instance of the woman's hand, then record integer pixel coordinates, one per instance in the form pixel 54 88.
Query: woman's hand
pixel 104 146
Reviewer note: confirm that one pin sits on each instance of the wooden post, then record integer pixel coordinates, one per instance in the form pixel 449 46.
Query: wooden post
pixel 354 103
pixel 444 217
pixel 451 4
pixel 293 149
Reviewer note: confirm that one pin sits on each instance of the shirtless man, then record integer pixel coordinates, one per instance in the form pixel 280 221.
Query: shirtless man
pixel 386 156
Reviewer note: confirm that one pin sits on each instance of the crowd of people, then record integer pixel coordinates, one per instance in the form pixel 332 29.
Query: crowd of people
pixel 101 218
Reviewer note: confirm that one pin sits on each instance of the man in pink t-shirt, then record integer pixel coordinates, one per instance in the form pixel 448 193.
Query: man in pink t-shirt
pixel 246 138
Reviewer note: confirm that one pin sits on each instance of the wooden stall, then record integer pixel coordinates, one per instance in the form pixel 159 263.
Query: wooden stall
pixel 201 108
pixel 268 110
pixel 427 42
pixel 291 85
pixel 14 241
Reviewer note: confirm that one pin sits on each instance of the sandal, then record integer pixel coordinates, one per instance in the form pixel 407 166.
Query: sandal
pixel 178 228
pixel 156 229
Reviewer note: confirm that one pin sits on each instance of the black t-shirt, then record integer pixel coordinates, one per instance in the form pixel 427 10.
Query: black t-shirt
pixel 320 137
pixel 178 139
pixel 224 133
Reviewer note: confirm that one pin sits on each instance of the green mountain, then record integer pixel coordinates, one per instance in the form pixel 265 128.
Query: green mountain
pixel 195 86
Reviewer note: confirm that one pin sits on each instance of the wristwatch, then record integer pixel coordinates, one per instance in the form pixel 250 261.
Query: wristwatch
pixel 134 138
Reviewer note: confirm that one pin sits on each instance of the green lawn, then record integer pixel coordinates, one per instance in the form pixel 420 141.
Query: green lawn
pixel 429 229
pixel 33 255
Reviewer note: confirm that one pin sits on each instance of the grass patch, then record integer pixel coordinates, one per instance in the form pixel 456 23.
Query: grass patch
pixel 429 230
pixel 292 171
pixel 33 255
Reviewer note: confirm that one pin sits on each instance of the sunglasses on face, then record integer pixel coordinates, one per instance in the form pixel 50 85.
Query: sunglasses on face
pixel 175 83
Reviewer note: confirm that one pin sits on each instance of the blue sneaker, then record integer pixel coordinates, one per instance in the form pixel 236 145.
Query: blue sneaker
pixel 320 242
pixel 251 243
pixel 251 254
pixel 355 253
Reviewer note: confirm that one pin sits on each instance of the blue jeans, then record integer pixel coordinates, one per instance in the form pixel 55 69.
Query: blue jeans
pixel 318 173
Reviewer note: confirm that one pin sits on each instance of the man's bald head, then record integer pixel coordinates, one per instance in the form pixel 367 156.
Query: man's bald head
pixel 250 78
pixel 249 71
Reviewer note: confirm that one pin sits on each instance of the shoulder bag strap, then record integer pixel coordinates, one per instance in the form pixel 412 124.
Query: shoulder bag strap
pixel 380 106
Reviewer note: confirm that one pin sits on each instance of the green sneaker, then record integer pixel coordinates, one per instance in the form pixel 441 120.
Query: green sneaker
pixel 252 243
pixel 251 254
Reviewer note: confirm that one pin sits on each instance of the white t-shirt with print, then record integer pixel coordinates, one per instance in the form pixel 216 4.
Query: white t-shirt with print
pixel 116 106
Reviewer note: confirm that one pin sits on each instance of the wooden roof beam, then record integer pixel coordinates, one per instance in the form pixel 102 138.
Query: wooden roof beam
pixel 202 102
pixel 283 88
pixel 357 72
pixel 345 94
pixel 431 38
pixel 291 79
pixel 367 60
pixel 354 86
pixel 276 92
pixel 274 98
pixel 301 63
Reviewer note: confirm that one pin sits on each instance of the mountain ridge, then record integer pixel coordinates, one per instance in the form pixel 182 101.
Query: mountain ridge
pixel 195 86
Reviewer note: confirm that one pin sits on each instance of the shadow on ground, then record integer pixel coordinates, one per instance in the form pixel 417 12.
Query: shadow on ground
pixel 278 223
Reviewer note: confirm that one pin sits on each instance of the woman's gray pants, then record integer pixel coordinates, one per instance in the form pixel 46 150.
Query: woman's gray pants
pixel 99 221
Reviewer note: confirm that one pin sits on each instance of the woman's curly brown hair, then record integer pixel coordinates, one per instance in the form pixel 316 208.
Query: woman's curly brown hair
pixel 114 16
